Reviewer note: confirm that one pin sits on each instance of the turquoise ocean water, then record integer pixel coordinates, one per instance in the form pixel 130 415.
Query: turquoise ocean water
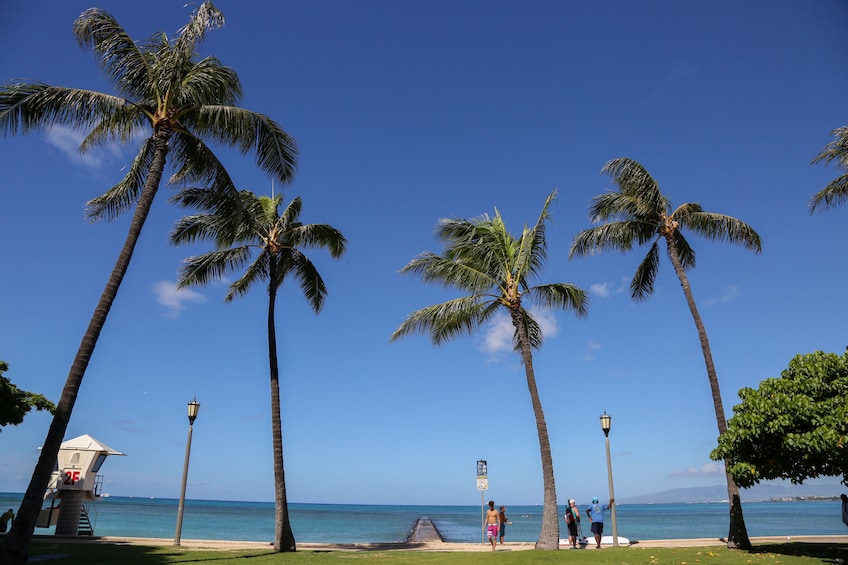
pixel 351 523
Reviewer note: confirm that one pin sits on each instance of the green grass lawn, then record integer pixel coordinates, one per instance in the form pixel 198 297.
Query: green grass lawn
pixel 777 554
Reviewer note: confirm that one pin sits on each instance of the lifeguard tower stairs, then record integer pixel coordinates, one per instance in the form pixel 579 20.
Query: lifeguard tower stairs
pixel 74 487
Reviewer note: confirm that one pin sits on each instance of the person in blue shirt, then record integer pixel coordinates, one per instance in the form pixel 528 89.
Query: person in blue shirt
pixel 595 512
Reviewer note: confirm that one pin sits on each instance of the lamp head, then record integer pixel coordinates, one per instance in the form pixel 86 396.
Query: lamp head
pixel 606 423
pixel 193 409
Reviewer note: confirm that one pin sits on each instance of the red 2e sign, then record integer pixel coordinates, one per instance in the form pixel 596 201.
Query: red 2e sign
pixel 71 477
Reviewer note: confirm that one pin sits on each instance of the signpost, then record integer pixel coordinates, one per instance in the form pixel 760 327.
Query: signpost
pixel 482 485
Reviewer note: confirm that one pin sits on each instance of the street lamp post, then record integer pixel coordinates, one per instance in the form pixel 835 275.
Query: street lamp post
pixel 482 485
pixel 193 408
pixel 606 422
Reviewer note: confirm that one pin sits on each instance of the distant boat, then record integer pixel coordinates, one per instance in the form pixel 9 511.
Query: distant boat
pixel 105 495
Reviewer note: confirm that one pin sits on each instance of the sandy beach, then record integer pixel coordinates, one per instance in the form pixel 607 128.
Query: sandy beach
pixel 428 546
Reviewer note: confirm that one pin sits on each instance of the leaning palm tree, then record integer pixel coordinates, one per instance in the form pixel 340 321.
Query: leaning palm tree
pixel 239 226
pixel 494 267
pixel 836 192
pixel 162 88
pixel 639 213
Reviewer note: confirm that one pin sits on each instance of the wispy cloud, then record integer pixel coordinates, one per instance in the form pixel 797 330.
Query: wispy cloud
pixel 706 470
pixel 607 289
pixel 591 347
pixel 730 293
pixel 600 289
pixel 173 299
pixel 68 141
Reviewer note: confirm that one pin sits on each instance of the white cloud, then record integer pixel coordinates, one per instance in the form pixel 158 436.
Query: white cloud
pixel 68 141
pixel 706 470
pixel 730 293
pixel 600 289
pixel 174 299
pixel 497 338
pixel 606 289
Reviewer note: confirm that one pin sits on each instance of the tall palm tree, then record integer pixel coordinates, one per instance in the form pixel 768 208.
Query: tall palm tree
pixel 639 213
pixel 239 226
pixel 836 192
pixel 162 88
pixel 495 268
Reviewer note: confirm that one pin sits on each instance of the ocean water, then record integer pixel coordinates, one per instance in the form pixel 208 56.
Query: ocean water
pixel 352 523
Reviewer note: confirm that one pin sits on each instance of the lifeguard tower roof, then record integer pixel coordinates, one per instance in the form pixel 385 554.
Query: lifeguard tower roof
pixel 87 443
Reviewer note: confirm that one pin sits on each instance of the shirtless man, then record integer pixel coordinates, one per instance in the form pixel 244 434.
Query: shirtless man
pixel 492 521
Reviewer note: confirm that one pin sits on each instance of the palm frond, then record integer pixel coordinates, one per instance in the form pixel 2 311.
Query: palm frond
pixel 204 19
pixel 532 248
pixel 560 296
pixel 197 164
pixel 119 127
pixel 720 227
pixel 684 251
pixel 199 270
pixel 642 285
pixel 309 280
pixel 836 150
pixel 276 152
pixel 256 272
pixel 833 195
pixel 633 179
pixel 449 273
pixel 206 82
pixel 444 321
pixel 615 236
pixel 534 332
pixel 119 56
pixel 836 192
pixel 35 105
pixel 123 195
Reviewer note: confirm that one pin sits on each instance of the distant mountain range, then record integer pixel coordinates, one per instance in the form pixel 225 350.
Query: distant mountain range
pixel 718 493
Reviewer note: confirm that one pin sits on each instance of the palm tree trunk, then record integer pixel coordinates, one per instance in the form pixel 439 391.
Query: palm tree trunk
pixel 15 548
pixel 549 536
pixel 737 537
pixel 283 535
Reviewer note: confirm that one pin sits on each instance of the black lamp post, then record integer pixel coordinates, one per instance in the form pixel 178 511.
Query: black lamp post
pixel 606 423
pixel 193 408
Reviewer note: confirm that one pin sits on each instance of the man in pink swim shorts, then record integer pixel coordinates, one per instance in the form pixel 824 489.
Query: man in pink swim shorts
pixel 492 521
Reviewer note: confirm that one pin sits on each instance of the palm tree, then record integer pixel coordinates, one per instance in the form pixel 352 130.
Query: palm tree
pixel 483 259
pixel 238 226
pixel 836 192
pixel 161 86
pixel 638 213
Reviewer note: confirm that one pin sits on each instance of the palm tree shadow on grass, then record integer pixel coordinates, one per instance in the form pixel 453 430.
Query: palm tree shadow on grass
pixel 831 551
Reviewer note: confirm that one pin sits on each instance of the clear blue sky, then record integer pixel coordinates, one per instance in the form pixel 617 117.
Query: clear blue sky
pixel 407 112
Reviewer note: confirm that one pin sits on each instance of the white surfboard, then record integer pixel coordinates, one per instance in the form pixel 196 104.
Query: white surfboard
pixel 583 542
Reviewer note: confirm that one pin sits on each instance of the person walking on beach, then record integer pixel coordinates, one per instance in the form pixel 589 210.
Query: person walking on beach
pixel 492 523
pixel 503 522
pixel 844 508
pixel 595 512
pixel 9 516
pixel 572 519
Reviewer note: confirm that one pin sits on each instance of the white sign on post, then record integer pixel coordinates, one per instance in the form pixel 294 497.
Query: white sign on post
pixel 482 484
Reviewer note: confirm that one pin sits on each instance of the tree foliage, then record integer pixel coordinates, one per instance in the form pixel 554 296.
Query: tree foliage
pixel 793 427
pixel 496 269
pixel 836 192
pixel 16 403
pixel 638 213
pixel 242 225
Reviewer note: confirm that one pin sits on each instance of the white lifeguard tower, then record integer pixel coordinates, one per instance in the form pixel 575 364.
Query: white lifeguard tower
pixel 74 485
